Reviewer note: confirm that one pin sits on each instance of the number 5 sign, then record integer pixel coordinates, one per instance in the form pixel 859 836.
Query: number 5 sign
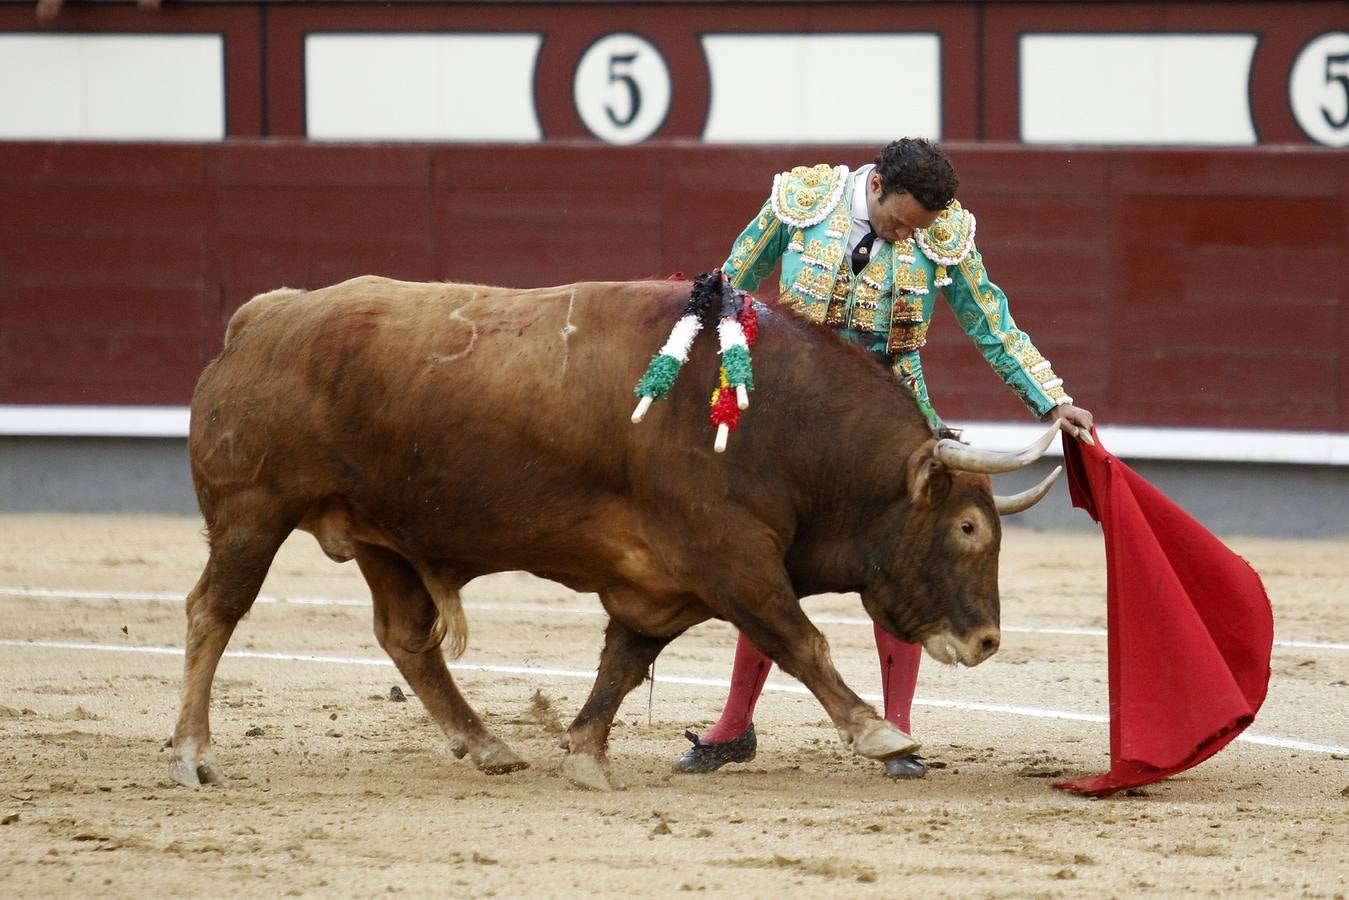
pixel 1318 89
pixel 622 89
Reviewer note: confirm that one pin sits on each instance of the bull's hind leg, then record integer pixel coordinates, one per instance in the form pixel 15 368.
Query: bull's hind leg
pixel 623 665
pixel 239 558
pixel 405 622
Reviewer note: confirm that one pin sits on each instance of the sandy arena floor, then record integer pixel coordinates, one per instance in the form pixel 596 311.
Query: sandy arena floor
pixel 337 791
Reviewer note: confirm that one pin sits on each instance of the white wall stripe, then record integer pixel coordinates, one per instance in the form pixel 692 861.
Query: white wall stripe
pixel 94 421
pixel 1323 448
pixel 1159 89
pixel 112 87
pixel 168 597
pixel 541 671
pixel 735 67
pixel 419 87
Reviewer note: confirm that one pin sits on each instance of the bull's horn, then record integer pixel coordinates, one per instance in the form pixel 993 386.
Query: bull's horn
pixel 1026 499
pixel 991 462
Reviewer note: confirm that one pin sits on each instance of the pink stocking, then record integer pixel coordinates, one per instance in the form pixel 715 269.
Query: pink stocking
pixel 899 676
pixel 747 679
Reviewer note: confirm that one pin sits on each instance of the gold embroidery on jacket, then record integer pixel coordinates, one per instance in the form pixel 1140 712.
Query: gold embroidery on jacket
pixel 803 197
pixel 837 317
pixel 949 239
pixel 1016 345
pixel 821 255
pixel 751 249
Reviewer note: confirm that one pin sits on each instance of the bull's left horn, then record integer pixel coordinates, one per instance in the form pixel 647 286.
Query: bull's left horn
pixel 1026 499
pixel 991 462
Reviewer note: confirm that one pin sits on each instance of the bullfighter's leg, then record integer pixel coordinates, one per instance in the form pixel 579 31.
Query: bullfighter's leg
pixel 776 625
pixel 899 676
pixel 732 738
pixel 748 674
pixel 623 664
pixel 405 615
pixel 239 558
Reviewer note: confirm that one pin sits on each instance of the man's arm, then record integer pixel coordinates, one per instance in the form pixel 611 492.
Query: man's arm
pixel 757 250
pixel 981 308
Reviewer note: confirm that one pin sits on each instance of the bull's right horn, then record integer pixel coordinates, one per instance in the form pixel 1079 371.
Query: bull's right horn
pixel 1023 501
pixel 991 462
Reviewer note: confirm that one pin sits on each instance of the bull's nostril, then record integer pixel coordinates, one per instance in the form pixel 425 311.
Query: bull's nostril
pixel 988 646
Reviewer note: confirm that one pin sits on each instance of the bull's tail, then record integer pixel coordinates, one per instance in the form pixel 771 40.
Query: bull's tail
pixel 253 308
pixel 451 624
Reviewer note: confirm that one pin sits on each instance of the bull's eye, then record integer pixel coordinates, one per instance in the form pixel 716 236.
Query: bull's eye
pixel 967 527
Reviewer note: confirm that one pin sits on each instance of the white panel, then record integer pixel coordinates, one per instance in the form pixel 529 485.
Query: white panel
pixel 823 88
pixel 1136 88
pixel 112 86
pixel 94 421
pixel 452 87
pixel 1316 448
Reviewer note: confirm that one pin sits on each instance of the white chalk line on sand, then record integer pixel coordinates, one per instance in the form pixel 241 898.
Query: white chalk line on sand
pixel 545 672
pixel 167 597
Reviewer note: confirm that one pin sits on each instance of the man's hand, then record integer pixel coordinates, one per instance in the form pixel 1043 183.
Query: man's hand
pixel 1077 421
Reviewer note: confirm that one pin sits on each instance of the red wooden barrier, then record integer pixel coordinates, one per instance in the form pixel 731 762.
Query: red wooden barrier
pixel 1169 287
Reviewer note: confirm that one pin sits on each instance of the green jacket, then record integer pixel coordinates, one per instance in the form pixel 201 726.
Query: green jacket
pixel 805 224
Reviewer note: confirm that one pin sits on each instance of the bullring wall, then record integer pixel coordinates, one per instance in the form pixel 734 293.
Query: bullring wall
pixel 1170 287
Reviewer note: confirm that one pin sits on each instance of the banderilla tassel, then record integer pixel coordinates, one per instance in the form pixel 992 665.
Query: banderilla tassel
pixel 664 368
pixel 736 367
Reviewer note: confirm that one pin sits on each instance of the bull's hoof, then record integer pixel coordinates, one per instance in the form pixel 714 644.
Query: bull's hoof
pixel 185 773
pixel 498 759
pixel 589 772
pixel 879 739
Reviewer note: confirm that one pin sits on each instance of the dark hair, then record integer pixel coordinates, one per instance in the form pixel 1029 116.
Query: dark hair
pixel 920 167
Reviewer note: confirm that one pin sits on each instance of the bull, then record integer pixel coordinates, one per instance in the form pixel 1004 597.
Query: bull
pixel 438 432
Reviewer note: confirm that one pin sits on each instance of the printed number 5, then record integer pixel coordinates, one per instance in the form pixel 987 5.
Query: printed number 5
pixel 625 60
pixel 1337 71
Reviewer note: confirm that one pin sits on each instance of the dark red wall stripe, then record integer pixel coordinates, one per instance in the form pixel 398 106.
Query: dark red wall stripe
pixel 1181 287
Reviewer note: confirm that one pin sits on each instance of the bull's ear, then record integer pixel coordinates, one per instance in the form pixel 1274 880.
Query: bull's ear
pixel 928 478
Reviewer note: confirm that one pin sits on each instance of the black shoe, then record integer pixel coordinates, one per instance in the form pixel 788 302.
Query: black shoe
pixel 702 758
pixel 910 765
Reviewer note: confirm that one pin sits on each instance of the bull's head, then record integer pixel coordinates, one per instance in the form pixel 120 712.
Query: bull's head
pixel 940 585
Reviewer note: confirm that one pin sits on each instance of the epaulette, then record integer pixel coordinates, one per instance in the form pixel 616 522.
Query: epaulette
pixel 804 196
pixel 949 239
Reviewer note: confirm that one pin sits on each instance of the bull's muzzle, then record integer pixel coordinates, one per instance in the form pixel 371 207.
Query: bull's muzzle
pixel 969 650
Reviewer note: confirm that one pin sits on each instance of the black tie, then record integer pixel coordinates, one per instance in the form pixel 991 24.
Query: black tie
pixel 861 254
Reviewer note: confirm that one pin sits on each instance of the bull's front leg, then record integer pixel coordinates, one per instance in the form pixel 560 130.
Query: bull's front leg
pixel 623 664
pixel 777 626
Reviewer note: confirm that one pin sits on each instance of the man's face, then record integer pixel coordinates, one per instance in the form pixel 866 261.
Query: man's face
pixel 899 216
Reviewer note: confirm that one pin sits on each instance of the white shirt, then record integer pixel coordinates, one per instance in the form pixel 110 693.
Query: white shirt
pixel 861 219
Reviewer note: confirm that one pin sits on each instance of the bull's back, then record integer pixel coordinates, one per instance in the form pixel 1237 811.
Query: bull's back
pixel 404 387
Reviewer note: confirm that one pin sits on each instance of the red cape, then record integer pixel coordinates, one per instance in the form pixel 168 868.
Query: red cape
pixel 1189 628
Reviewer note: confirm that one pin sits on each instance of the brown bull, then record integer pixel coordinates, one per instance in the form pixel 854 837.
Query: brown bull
pixel 438 432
